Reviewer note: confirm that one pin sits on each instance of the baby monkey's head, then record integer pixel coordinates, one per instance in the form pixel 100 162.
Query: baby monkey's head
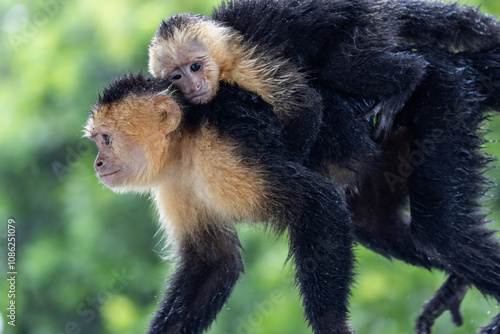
pixel 194 53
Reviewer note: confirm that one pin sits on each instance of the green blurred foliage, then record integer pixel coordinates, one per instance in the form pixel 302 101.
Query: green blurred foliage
pixel 88 260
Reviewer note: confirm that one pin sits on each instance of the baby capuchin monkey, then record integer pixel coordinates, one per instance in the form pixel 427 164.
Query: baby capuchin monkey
pixel 212 165
pixel 195 54
pixel 364 48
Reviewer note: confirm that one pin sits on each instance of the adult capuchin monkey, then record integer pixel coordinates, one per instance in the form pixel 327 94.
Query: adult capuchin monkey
pixel 367 58
pixel 207 168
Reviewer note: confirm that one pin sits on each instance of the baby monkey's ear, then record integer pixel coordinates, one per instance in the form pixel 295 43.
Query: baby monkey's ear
pixel 170 113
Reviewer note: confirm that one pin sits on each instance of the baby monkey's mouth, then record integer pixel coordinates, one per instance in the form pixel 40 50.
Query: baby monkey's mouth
pixel 199 98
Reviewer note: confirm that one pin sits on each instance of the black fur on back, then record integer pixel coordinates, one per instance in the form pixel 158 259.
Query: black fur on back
pixel 259 132
pixel 448 25
pixel 303 33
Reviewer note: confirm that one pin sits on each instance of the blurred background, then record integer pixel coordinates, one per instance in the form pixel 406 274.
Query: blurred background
pixel 89 260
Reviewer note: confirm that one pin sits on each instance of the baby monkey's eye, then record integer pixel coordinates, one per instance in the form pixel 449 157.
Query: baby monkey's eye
pixel 195 67
pixel 177 77
pixel 107 139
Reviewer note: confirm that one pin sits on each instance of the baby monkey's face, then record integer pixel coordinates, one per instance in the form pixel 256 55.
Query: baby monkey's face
pixel 188 66
pixel 192 79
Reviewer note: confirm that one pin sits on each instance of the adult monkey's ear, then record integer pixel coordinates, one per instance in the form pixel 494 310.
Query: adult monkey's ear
pixel 169 111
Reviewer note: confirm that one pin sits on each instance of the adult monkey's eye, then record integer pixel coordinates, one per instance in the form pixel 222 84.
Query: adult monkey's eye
pixel 107 139
pixel 195 67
